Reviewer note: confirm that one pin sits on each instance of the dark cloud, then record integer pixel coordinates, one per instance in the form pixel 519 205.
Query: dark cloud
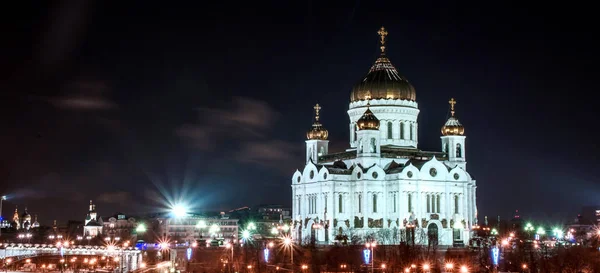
pixel 118 197
pixel 247 121
pixel 85 96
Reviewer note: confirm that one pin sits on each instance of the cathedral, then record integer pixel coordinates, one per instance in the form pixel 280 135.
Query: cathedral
pixel 23 222
pixel 93 224
pixel 383 187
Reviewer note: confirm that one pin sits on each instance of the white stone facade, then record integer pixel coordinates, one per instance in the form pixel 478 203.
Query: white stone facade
pixel 383 187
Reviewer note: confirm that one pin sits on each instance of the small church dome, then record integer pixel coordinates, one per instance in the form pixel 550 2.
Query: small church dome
pixel 368 121
pixel 317 132
pixel 453 126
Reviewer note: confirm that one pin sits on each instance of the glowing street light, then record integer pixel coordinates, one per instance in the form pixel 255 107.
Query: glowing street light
pixel 245 234
pixel 426 267
pixel 529 227
pixel 288 243
pixel 251 226
pixel 449 266
pixel 141 228
pixel 201 224
pixel 541 231
pixel 464 269
pixel 214 229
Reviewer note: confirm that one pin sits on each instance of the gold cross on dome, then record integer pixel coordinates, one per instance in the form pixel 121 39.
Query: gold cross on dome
pixel 317 108
pixel 382 33
pixel 452 102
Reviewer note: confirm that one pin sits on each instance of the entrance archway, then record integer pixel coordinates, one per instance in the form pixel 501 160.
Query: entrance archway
pixel 432 234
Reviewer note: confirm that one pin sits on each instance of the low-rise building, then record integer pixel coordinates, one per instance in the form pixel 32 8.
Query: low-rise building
pixel 195 227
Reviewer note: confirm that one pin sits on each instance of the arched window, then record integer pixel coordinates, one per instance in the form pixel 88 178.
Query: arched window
pixel 446 148
pixel 373 147
pixel 437 205
pixel 409 202
pixel 458 150
pixel 456 204
pixel 355 131
pixel 389 130
pixel 340 202
pixel 395 202
pixel 359 203
pixel 428 204
pixel 411 131
pixel 401 130
pixel 374 202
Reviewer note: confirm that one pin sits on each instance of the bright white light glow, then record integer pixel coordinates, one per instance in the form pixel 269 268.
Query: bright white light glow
pixel 179 211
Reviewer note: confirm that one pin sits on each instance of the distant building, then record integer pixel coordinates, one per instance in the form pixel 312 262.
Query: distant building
pixel 581 230
pixel 23 221
pixel 92 224
pixel 118 225
pixel 274 212
pixel 200 227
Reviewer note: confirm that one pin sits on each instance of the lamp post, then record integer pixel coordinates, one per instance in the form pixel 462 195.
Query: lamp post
pixel 371 246
pixel 1 219
pixel 289 243
pixel 230 245
pixel 200 226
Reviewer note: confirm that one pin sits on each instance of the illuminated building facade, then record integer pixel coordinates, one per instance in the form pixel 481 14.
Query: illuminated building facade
pixel 383 187
pixel 93 224
pixel 195 227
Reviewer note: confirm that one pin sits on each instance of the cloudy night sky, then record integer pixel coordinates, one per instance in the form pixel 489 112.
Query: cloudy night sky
pixel 137 103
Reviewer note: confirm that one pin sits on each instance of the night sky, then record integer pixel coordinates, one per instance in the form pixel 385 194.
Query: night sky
pixel 139 103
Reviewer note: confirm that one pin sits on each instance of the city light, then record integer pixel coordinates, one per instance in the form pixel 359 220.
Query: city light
pixel 464 269
pixel 245 234
pixel 426 267
pixel 251 226
pixel 449 266
pixel 179 211
pixel 541 231
pixel 141 228
pixel 201 224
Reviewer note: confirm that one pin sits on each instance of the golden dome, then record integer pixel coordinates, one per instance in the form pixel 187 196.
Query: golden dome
pixel 383 80
pixel 368 121
pixel 317 132
pixel 453 126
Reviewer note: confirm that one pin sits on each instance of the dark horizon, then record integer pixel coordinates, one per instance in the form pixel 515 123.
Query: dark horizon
pixel 135 105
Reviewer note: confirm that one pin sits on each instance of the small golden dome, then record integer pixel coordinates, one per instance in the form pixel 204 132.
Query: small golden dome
pixel 453 126
pixel 318 132
pixel 368 121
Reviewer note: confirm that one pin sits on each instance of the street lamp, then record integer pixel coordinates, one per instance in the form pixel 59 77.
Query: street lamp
pixel 200 226
pixel 371 246
pixel 529 228
pixel 449 267
pixel 1 219
pixel 287 242
pixel 464 269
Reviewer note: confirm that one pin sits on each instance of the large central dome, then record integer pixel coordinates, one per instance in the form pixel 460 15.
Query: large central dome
pixel 383 81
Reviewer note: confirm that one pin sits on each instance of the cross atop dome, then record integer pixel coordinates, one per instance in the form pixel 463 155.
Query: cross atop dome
pixel 452 102
pixel 317 108
pixel 317 131
pixel 382 33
